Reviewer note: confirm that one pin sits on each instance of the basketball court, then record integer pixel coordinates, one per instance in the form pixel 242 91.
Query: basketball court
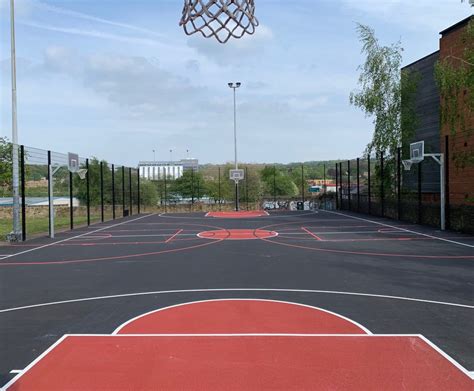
pixel 279 300
pixel 244 300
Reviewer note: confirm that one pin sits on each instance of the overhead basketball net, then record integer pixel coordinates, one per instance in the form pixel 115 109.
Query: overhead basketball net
pixel 222 19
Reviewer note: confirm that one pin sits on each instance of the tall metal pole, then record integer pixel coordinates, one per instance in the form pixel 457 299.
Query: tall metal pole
pixel 302 183
pixel 337 187
pixel 219 189
pixel 235 153
pixel 349 184
pixel 442 191
pixel 274 187
pixel 15 168
pixel 88 194
pixel 23 194
pixel 324 186
pixel 247 186
pixel 358 185
pixel 234 87
pixel 235 130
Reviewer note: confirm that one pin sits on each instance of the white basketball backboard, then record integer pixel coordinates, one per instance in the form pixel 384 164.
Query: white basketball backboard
pixel 73 162
pixel 237 175
pixel 417 151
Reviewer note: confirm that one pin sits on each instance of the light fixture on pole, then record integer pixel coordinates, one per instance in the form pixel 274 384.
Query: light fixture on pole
pixel 234 88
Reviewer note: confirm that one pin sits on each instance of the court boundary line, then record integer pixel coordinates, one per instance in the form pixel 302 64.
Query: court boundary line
pixel 34 362
pixel 398 228
pixel 446 356
pixel 366 330
pixel 77 236
pixel 210 290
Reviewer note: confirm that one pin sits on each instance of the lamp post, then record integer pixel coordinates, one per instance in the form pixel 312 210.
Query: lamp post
pixel 15 236
pixel 234 88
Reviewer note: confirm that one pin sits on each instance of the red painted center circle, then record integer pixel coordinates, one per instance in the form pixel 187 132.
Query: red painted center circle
pixel 237 234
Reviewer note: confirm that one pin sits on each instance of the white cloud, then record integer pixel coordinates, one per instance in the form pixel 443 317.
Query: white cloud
pixel 235 52
pixel 91 33
pixel 80 15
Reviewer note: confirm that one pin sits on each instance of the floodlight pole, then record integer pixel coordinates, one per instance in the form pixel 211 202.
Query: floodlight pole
pixel 15 169
pixel 234 87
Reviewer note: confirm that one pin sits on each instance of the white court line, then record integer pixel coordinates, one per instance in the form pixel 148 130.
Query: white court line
pixel 367 331
pixel 401 229
pixel 34 362
pixel 15 371
pixel 234 290
pixel 75 237
pixel 447 357
pixel 151 235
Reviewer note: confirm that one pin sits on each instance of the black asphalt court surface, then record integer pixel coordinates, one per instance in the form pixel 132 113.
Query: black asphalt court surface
pixel 391 277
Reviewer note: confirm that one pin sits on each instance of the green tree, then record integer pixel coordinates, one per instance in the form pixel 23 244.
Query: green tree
pixel 382 86
pixel 190 184
pixel 80 185
pixel 227 187
pixel 5 165
pixel 148 193
pixel 277 181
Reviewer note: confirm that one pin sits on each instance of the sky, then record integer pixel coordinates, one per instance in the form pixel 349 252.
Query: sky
pixel 117 79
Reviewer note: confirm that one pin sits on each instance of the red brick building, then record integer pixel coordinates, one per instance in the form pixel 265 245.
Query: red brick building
pixel 461 176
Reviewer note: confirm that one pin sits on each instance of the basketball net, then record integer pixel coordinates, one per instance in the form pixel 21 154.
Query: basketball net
pixel 221 19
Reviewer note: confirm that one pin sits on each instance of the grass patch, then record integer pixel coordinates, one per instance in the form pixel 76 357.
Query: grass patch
pixel 40 225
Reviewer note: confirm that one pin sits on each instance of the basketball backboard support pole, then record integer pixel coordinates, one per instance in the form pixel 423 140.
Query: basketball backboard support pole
pixel 51 171
pixel 417 155
pixel 439 158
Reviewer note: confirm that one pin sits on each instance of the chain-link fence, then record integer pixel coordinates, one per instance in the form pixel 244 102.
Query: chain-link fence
pixel 380 186
pixel 375 185
pixel 106 192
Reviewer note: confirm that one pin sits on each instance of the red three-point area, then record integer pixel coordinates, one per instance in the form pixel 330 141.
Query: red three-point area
pixel 242 345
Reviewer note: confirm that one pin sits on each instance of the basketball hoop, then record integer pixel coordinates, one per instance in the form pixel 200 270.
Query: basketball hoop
pixel 221 19
pixel 407 164
pixel 82 173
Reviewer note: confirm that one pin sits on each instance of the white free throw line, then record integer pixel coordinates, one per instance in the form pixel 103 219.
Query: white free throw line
pixel 75 237
pixel 401 229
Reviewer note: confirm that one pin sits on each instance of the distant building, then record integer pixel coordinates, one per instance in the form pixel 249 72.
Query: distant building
pixel 156 170
pixel 319 185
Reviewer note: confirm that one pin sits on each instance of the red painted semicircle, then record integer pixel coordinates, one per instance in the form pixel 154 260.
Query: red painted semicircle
pixel 237 234
pixel 240 316
pixel 238 214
